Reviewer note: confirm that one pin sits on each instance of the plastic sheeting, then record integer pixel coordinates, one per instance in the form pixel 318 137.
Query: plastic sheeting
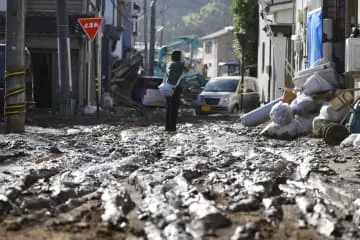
pixel 314 36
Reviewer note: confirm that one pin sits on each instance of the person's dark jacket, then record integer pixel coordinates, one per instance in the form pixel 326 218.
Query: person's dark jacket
pixel 174 71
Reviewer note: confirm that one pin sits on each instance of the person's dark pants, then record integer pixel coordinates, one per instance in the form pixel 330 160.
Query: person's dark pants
pixel 172 108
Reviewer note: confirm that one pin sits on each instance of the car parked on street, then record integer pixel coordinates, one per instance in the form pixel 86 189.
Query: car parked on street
pixel 223 95
pixel 146 90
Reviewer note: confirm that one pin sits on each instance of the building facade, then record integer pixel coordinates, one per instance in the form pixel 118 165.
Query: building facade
pixel 86 56
pixel 338 18
pixel 218 47
pixel 293 35
pixel 275 48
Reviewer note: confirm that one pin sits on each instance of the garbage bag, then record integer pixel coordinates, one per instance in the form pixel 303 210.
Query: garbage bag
pixel 353 140
pixel 284 131
pixel 281 113
pixel 326 112
pixel 316 84
pixel 304 105
pixel 305 123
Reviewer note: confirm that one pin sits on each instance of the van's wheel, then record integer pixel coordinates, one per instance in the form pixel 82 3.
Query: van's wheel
pixel 235 109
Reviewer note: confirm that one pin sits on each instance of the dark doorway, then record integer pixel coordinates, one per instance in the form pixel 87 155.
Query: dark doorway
pixel 42 67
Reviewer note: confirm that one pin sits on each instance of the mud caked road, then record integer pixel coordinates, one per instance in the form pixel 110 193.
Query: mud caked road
pixel 212 179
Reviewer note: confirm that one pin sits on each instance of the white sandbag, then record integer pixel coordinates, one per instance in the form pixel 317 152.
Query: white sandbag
pixel 304 124
pixel 353 140
pixel 304 105
pixel 281 113
pixel 277 130
pixel 316 84
pixel 326 112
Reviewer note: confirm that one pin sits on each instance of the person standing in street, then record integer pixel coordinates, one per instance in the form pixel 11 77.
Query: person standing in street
pixel 174 70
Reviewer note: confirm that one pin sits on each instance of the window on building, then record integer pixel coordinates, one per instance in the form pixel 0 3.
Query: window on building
pixel 208 47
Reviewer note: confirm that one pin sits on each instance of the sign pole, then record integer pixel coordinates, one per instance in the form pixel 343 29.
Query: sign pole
pixel 91 27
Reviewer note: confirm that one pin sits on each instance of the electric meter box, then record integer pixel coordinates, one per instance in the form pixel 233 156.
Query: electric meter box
pixel 352 55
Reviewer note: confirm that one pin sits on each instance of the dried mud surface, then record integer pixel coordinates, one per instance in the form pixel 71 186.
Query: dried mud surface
pixel 122 176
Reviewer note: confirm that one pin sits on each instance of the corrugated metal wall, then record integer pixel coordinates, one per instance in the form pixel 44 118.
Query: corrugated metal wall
pixel 73 6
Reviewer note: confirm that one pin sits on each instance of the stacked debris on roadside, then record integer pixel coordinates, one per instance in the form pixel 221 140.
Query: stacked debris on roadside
pixel 317 100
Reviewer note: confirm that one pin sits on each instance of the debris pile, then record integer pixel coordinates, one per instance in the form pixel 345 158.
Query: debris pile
pixel 317 101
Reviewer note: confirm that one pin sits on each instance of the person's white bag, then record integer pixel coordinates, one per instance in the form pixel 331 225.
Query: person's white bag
pixel 166 89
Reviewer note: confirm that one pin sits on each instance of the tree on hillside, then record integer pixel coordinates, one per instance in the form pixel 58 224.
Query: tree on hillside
pixel 213 16
pixel 246 19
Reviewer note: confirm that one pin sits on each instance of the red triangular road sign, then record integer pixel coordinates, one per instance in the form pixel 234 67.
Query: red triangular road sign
pixel 90 26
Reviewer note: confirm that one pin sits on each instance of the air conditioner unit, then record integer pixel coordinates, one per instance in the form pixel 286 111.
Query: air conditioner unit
pixel 352 55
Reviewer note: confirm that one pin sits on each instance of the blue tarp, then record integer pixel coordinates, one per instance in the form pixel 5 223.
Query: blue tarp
pixel 314 36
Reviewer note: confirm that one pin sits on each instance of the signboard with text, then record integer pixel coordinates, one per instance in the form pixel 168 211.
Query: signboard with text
pixel 90 26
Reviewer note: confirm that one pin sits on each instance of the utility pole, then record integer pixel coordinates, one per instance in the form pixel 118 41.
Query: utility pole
pixel 64 67
pixel 152 37
pixel 98 58
pixel 242 38
pixel 146 59
pixel 162 23
pixel 15 67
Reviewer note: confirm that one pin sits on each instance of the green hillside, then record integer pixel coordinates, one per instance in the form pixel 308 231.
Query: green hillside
pixel 199 17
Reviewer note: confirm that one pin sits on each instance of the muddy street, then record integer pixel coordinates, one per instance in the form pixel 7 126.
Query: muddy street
pixel 212 179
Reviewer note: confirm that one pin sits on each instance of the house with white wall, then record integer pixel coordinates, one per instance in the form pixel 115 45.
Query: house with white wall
pixel 335 19
pixel 218 47
pixel 275 48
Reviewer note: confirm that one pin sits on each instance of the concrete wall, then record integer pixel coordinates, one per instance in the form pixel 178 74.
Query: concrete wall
pixel 272 53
